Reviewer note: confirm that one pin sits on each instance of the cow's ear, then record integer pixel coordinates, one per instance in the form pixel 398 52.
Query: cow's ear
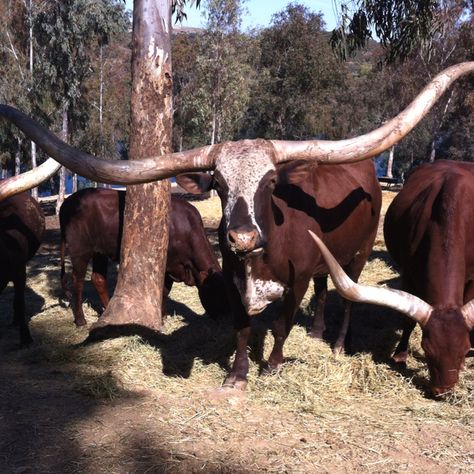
pixel 294 172
pixel 195 183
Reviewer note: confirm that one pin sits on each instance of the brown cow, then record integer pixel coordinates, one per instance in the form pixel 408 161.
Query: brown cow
pixel 264 186
pixel 21 231
pixel 91 223
pixel 428 231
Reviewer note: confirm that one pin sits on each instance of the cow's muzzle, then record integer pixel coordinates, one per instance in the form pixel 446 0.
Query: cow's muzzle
pixel 244 241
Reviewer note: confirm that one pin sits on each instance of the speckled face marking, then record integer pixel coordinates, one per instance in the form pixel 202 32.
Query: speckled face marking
pixel 242 166
pixel 257 294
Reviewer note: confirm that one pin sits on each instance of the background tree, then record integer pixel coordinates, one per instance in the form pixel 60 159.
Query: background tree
pixel 300 84
pixel 213 90
pixel 66 33
pixel 427 36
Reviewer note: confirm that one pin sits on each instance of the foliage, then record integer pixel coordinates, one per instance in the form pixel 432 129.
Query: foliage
pixel 300 84
pixel 178 8
pixel 212 94
pixel 401 26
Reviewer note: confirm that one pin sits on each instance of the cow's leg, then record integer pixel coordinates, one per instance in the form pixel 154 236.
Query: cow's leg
pixel 237 377
pixel 401 352
pixel 99 278
pixel 343 339
pixel 283 324
pixel 79 268
pixel 168 284
pixel 19 316
pixel 320 293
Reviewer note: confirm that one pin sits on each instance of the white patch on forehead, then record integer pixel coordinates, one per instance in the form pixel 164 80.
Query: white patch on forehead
pixel 242 166
pixel 257 294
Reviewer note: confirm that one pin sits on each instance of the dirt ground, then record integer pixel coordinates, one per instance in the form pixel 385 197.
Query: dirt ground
pixel 138 405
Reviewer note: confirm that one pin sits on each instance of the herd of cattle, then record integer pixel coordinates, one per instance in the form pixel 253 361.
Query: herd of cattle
pixel 272 193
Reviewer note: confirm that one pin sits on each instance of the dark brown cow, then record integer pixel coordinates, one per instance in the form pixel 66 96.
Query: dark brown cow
pixel 91 223
pixel 428 231
pixel 268 194
pixel 21 231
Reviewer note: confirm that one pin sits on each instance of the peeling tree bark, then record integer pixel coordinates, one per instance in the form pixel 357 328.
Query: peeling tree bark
pixel 138 295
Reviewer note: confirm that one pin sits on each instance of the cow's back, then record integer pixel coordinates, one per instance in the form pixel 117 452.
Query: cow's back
pixel 340 203
pixel 21 227
pixel 93 219
pixel 428 229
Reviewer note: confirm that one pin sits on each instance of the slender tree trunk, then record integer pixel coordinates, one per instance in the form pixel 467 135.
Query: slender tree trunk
pixel 391 157
pixel 437 128
pixel 101 102
pixel 213 127
pixel 138 294
pixel 62 170
pixel 18 157
pixel 34 191
pixel 74 182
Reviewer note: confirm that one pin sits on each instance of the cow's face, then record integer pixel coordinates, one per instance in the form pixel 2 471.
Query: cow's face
pixel 446 342
pixel 245 177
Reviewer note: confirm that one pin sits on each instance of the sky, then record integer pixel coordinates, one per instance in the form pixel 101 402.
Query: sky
pixel 260 12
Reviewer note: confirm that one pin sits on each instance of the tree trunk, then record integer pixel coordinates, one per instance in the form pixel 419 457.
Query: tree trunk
pixel 74 182
pixel 18 157
pixel 437 128
pixel 62 170
pixel 138 295
pixel 34 191
pixel 391 157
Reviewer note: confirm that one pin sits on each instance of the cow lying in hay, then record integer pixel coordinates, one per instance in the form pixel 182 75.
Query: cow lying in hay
pixel 271 192
pixel 91 223
pixel 428 231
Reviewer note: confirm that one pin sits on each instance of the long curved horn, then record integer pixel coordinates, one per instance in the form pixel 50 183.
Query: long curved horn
pixel 412 306
pixel 110 171
pixel 468 312
pixel 30 179
pixel 381 139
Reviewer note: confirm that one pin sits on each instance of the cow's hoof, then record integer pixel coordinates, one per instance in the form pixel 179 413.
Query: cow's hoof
pixel 234 382
pixel 400 359
pixel 80 322
pixel 338 349
pixel 269 369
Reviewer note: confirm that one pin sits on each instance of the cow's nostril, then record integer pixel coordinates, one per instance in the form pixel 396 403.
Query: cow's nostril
pixel 231 238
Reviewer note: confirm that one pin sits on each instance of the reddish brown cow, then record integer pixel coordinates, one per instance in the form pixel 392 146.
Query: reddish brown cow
pixel 91 223
pixel 428 231
pixel 266 254
pixel 21 231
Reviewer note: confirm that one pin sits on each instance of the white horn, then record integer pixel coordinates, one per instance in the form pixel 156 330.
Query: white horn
pixel 371 144
pixel 410 305
pixel 111 171
pixel 30 179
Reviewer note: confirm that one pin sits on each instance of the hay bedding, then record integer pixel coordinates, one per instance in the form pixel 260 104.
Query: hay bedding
pixel 127 405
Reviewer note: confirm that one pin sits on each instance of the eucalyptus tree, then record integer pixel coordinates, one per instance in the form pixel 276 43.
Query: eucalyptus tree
pixel 67 32
pixel 300 83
